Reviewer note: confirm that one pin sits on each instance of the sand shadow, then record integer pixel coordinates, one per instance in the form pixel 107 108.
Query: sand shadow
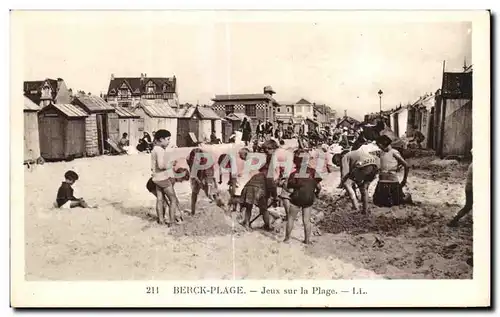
pixel 145 213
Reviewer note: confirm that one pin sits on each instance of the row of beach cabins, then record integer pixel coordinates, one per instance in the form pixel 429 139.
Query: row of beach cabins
pixel 83 127
pixel 444 118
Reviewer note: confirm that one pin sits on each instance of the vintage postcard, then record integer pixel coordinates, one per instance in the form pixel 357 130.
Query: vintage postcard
pixel 250 158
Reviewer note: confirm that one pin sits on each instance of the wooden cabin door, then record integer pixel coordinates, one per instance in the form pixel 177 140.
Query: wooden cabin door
pixel 396 124
pixel 194 126
pixel 113 128
pixel 102 134
pixel 52 137
pixel 183 133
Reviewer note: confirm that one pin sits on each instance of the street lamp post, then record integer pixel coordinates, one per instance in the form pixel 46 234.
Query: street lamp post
pixel 380 93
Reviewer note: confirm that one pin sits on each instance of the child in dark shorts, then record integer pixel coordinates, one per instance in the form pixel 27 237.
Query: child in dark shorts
pixel 182 174
pixel 306 187
pixel 65 198
pixel 203 180
pixel 259 189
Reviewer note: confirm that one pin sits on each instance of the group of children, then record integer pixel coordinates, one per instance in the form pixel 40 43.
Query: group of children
pixel 295 186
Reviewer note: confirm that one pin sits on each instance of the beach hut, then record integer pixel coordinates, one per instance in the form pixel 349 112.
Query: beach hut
pixel 157 114
pixel 201 121
pixel 234 121
pixel 31 134
pixel 62 131
pixel 96 124
pixel 125 121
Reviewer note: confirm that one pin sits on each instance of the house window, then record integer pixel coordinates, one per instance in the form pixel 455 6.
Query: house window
pixel 288 109
pixel 229 109
pixel 124 94
pixel 251 110
pixel 278 110
pixel 150 88
pixel 298 108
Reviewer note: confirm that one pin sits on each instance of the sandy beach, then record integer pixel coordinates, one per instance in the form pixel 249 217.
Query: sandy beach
pixel 120 240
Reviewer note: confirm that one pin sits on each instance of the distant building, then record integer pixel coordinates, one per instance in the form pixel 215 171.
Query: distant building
pixel 128 91
pixel 452 115
pixel 254 106
pixel 285 113
pixel 44 92
pixel 347 122
pixel 323 114
pixel 303 109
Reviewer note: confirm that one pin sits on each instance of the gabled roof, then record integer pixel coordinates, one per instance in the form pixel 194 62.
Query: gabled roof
pixel 93 104
pixel 303 102
pixel 68 110
pixel 33 89
pixel 124 113
pixel 236 116
pixel 349 120
pixel 157 109
pixel 30 105
pixel 37 85
pixel 204 112
pixel 137 85
pixel 208 113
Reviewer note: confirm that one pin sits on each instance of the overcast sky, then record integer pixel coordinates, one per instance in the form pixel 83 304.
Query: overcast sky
pixel 342 65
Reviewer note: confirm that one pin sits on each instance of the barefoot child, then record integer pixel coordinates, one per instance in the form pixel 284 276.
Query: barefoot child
pixel 306 187
pixel 259 189
pixel 203 179
pixel 65 198
pixel 162 175
pixel 468 199
pixel 359 168
pixel 238 178
pixel 182 174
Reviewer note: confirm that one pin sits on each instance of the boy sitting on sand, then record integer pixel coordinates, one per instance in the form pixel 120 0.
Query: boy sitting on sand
pixel 65 198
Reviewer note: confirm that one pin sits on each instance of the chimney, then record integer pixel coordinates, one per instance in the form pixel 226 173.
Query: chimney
pixel 112 76
pixel 142 77
pixel 345 113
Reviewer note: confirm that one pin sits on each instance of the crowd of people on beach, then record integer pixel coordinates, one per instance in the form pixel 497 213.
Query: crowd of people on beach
pixel 270 175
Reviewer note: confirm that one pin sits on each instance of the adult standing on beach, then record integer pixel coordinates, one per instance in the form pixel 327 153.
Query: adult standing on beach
pixel 247 131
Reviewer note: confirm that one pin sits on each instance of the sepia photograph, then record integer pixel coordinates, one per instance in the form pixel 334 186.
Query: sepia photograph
pixel 267 147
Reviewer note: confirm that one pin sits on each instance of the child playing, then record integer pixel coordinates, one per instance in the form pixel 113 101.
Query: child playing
pixel 389 191
pixel 358 168
pixel 65 198
pixel 182 174
pixel 260 188
pixel 468 199
pixel 204 179
pixel 162 176
pixel 238 177
pixel 306 187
